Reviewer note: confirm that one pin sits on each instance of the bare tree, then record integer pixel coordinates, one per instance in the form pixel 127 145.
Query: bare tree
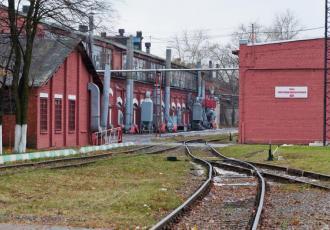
pixel 286 26
pixel 23 29
pixel 223 57
pixel 6 56
pixel 190 47
pixel 251 32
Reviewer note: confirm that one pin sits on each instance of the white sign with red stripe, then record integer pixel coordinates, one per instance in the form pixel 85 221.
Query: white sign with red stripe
pixel 291 92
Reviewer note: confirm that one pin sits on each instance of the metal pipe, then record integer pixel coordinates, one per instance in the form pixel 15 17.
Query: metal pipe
pixel 129 85
pixel 210 73
pixel 95 107
pixel 168 70
pixel 168 85
pixel 199 79
pixel 105 98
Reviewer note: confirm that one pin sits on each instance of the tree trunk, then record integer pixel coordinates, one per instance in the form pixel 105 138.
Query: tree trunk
pixel 1 114
pixel 1 139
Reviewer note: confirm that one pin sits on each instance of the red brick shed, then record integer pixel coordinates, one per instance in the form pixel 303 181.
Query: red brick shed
pixel 281 92
pixel 59 103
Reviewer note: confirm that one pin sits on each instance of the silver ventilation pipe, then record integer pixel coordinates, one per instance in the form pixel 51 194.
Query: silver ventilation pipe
pixel 129 85
pixel 105 98
pixel 168 77
pixel 95 107
pixel 199 79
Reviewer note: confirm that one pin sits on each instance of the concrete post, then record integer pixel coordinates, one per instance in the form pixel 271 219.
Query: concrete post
pixel 105 98
pixel 129 85
pixel 168 85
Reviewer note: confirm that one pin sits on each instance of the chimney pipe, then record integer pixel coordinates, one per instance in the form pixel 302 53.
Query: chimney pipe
pixel 121 32
pixel 103 34
pixel 148 46
pixel 25 9
pixel 83 28
pixel 139 34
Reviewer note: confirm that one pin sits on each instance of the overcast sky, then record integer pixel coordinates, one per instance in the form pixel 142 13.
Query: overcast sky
pixel 161 19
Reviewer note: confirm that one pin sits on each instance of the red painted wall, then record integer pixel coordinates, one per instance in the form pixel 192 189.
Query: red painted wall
pixel 72 78
pixel 264 118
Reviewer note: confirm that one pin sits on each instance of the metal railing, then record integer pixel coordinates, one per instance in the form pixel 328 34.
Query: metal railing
pixel 107 137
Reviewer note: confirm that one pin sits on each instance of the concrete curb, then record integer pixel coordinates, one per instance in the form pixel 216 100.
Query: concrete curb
pixel 60 153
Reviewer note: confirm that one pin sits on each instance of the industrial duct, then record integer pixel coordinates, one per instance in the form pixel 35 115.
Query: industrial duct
pixel 129 85
pixel 199 80
pixel 95 107
pixel 105 98
pixel 168 85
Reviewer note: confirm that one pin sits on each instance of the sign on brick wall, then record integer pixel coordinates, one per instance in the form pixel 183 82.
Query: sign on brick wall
pixel 291 92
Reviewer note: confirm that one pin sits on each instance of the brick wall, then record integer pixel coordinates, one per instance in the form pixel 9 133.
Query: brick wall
pixel 264 118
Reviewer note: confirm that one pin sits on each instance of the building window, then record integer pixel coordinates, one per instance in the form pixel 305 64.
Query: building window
pixel 43 114
pixel 72 115
pixel 58 114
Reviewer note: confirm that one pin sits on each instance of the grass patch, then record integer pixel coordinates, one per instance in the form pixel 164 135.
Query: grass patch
pixel 316 159
pixel 121 192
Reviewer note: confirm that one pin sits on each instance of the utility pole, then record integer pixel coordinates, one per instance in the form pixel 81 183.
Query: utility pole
pixel 253 34
pixel 326 74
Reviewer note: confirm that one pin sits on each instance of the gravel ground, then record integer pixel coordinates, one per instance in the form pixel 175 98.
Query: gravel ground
pixel 228 205
pixel 296 207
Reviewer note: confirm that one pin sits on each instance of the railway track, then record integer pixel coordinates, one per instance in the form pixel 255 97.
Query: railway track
pixel 278 173
pixel 208 206
pixel 79 161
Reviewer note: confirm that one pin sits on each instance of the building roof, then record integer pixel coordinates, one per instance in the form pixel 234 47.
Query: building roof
pixel 49 54
pixel 283 41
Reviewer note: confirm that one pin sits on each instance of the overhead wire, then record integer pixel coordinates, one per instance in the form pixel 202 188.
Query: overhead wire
pixel 192 37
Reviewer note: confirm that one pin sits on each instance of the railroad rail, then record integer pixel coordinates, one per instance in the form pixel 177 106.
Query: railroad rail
pixel 170 218
pixel 200 191
pixel 280 173
pixel 80 161
pixel 261 187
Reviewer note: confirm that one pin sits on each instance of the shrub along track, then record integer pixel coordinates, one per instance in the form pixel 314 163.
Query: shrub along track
pixel 206 212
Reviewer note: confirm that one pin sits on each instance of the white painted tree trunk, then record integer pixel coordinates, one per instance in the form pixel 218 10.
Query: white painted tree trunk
pixel 20 138
pixel 0 139
pixel 18 134
pixel 22 144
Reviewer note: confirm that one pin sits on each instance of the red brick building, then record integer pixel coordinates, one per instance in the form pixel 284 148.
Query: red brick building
pixel 281 92
pixel 58 113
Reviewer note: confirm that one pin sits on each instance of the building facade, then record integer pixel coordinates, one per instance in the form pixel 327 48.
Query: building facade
pixel 281 92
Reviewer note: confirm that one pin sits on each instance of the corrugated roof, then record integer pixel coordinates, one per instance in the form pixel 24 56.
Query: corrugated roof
pixel 48 56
